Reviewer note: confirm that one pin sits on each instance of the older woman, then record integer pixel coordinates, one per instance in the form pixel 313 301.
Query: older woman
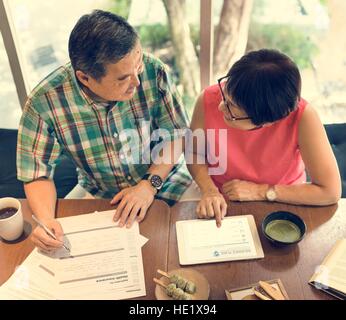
pixel 273 137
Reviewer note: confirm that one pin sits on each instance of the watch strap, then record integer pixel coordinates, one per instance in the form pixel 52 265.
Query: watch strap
pixel 146 176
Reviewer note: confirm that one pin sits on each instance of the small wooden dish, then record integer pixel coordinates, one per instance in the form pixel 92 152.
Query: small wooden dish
pixel 202 284
pixel 247 292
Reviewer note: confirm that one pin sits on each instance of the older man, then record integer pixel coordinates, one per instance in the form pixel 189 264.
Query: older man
pixel 83 109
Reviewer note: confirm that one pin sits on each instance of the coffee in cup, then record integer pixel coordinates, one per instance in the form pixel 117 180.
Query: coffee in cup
pixel 7 212
pixel 11 219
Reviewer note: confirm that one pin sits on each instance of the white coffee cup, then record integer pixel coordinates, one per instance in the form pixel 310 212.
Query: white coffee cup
pixel 11 228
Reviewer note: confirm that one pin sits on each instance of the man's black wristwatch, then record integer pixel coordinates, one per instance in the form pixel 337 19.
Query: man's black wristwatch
pixel 154 180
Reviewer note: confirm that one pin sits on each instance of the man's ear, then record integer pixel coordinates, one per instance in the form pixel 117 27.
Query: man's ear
pixel 83 78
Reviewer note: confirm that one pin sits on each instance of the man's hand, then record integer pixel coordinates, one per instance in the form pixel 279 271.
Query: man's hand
pixel 239 190
pixel 133 200
pixel 212 205
pixel 43 241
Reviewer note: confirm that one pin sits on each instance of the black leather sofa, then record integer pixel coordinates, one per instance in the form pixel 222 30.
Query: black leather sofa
pixel 337 138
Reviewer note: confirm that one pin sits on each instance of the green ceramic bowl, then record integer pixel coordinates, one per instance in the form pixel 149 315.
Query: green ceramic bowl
pixel 283 228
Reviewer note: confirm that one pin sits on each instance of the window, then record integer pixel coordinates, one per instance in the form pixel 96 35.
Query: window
pixel 156 26
pixel 309 32
pixel 42 30
pixel 43 38
pixel 10 110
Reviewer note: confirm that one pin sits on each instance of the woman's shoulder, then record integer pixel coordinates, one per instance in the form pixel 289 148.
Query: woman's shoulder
pixel 300 110
pixel 308 112
pixel 212 90
pixel 211 96
pixel 302 103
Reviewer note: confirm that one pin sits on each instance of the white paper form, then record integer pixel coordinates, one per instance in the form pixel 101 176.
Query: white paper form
pixel 200 241
pixel 105 261
pixel 30 281
pixel 107 264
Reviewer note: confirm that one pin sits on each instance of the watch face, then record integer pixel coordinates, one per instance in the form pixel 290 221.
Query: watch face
pixel 271 195
pixel 156 181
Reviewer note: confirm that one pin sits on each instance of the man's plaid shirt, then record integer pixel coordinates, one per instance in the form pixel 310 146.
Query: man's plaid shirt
pixel 59 117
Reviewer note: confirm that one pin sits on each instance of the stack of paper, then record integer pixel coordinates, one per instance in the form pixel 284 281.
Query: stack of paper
pixel 105 262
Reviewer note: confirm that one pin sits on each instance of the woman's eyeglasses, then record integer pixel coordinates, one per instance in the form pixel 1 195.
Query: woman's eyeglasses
pixel 233 118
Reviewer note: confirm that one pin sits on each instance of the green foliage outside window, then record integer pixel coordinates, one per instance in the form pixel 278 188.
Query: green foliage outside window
pixel 120 7
pixel 289 39
pixel 154 36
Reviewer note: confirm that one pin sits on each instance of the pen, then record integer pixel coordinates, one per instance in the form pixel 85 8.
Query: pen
pixel 50 233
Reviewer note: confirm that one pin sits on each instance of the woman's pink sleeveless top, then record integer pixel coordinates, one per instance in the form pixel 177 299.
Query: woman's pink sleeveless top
pixel 265 155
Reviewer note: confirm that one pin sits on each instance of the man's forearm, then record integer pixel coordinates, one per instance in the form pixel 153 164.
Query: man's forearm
pixel 41 195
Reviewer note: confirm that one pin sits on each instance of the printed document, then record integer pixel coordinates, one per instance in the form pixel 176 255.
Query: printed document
pixel 200 241
pixel 30 281
pixel 105 262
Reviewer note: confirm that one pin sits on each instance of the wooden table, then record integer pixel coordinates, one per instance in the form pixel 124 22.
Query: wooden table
pixel 155 227
pixel 293 265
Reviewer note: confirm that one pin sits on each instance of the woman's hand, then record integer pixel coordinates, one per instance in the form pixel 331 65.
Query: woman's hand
pixel 240 190
pixel 211 205
pixel 133 200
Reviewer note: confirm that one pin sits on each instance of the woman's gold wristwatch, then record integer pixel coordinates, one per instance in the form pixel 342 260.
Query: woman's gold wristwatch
pixel 271 194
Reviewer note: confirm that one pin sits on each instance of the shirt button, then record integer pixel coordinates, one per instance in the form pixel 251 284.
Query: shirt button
pixel 115 135
pixel 129 178
pixel 122 157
